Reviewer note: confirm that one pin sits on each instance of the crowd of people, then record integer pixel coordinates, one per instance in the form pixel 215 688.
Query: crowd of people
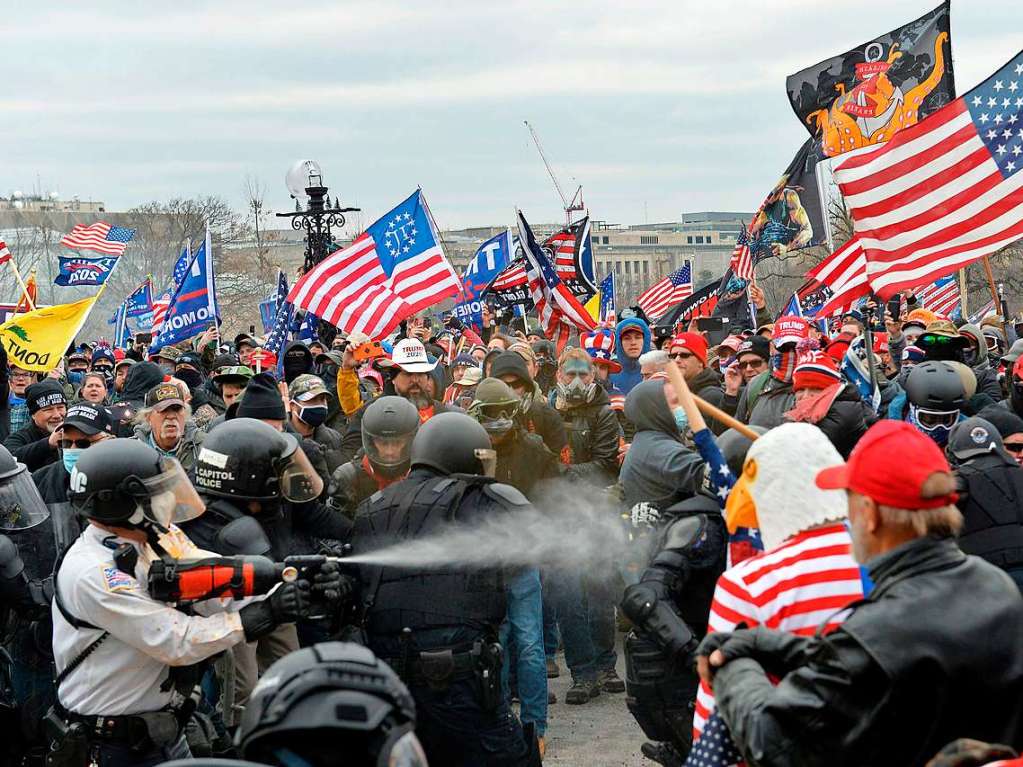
pixel 824 558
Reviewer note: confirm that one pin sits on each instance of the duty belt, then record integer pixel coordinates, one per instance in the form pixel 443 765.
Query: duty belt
pixel 137 731
pixel 436 668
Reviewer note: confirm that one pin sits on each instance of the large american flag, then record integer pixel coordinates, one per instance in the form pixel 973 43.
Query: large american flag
pixel 944 192
pixel 557 309
pixel 941 297
pixel 845 273
pixel 5 252
pixel 571 253
pixel 100 237
pixel 391 271
pixel 160 306
pixel 661 296
pixel 742 260
pixel 513 276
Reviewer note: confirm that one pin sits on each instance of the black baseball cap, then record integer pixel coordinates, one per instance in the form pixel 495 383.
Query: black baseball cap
pixel 89 419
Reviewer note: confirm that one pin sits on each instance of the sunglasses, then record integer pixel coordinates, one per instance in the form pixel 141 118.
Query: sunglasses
pixel 82 444
pixel 751 364
pixel 1014 447
pixel 680 356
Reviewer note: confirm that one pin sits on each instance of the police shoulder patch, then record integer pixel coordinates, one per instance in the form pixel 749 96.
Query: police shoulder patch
pixel 115 580
pixel 505 494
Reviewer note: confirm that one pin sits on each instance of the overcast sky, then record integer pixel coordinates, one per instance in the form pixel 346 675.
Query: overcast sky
pixel 655 107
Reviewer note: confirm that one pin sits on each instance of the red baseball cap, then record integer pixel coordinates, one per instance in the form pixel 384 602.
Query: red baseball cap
pixel 790 330
pixel 693 343
pixel 890 464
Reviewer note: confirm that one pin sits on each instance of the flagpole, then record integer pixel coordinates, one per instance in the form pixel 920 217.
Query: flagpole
pixel 994 291
pixel 211 297
pixel 962 294
pixel 22 285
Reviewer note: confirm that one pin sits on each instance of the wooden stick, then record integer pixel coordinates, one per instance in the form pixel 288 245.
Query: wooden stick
pixel 24 288
pixel 962 294
pixel 721 416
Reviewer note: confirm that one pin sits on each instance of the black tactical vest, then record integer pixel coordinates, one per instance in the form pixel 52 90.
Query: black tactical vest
pixel 992 511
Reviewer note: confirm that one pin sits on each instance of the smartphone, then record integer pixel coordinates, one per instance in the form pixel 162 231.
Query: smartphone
pixel 895 307
pixel 710 324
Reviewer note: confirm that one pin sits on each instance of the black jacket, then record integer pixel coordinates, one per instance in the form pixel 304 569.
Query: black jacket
pixel 52 482
pixel 931 655
pixel 523 461
pixel 593 436
pixel 707 386
pixel 31 446
pixel 847 420
pixel 543 420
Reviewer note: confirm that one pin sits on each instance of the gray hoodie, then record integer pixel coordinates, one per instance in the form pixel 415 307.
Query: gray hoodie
pixel 658 468
pixel 987 376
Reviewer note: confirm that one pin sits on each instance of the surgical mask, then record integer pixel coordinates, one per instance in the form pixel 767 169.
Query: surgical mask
pixel 681 419
pixel 314 415
pixel 69 457
pixel 75 377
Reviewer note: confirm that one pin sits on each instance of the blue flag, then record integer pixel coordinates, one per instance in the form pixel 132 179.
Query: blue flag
pixel 140 302
pixel 122 333
pixel 193 306
pixel 283 315
pixel 307 329
pixel 607 298
pixel 181 266
pixel 490 260
pixel 77 270
pixel 267 312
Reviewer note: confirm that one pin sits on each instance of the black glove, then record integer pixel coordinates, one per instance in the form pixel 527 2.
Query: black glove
pixel 740 643
pixel 286 604
pixel 329 585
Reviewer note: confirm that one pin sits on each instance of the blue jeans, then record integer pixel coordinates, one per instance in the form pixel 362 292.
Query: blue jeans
pixel 522 638
pixel 551 635
pixel 601 598
pixel 569 598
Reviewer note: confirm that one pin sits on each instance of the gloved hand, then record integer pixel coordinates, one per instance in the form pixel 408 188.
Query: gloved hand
pixel 644 515
pixel 330 585
pixel 285 604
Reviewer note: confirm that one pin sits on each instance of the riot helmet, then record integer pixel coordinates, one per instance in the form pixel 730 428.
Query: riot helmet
pixel 495 405
pixel 936 396
pixel 250 460
pixel 127 483
pixel 21 507
pixel 330 699
pixel 454 443
pixel 389 425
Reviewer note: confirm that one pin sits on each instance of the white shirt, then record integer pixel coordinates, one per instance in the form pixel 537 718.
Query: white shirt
pixel 124 673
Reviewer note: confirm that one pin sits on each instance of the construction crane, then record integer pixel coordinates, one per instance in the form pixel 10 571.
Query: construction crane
pixel 571 206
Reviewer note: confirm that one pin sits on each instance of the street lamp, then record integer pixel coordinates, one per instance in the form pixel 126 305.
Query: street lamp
pixel 305 180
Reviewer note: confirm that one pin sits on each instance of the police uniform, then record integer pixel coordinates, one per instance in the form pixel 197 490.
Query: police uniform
pixel 122 688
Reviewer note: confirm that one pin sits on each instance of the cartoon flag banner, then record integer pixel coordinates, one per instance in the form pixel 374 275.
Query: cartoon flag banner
pixel 78 270
pixel 490 260
pixel 856 99
pixel 37 340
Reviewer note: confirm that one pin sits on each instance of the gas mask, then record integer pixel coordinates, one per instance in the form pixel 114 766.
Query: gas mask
pixel 576 392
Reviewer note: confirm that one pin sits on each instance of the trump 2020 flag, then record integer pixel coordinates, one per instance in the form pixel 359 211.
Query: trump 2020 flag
pixel 78 270
pixel 490 260
pixel 193 308
pixel 140 302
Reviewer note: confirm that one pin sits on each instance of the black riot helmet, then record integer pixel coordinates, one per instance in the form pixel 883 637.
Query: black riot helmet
pixel 454 443
pixel 250 460
pixel 330 703
pixel 21 507
pixel 389 425
pixel 935 386
pixel 127 483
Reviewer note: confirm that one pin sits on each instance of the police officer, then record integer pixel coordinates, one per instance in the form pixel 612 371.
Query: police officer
pixel 990 485
pixel 389 425
pixel 126 663
pixel 248 469
pixel 28 551
pixel 335 698
pixel 669 607
pixel 437 628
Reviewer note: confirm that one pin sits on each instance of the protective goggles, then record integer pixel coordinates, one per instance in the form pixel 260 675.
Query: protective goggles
pixel 934 419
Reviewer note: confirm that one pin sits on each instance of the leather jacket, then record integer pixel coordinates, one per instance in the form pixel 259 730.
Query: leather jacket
pixel 931 655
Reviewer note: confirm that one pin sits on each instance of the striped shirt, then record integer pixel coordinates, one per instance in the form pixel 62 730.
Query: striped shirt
pixel 795 587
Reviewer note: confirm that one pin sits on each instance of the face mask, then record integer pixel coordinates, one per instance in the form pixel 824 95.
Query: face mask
pixel 314 415
pixel 938 432
pixel 167 367
pixel 576 391
pixel 75 377
pixel 192 378
pixel 681 419
pixel 69 456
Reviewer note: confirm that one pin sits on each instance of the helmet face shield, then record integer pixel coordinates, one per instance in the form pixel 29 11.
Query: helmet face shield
pixel 172 498
pixel 297 478
pixel 21 507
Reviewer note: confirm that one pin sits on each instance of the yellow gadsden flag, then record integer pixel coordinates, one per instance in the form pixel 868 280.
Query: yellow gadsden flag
pixel 37 340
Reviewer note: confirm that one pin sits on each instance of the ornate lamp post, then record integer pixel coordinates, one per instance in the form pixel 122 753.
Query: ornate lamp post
pixel 305 179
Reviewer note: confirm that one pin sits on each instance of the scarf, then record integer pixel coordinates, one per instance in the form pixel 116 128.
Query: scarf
pixel 783 365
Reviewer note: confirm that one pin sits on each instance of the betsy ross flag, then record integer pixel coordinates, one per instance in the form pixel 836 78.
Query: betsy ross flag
pixel 557 308
pixel 742 260
pixel 941 297
pixel 5 252
pixel 99 237
pixel 391 271
pixel 661 296
pixel 944 192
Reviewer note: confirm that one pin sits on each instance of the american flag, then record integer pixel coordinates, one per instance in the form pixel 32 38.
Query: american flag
pixel 742 260
pixel 660 297
pixel 982 312
pixel 606 313
pixel 845 273
pixel 941 297
pixel 282 319
pixel 571 252
pixel 160 311
pixel 391 271
pixel 5 252
pixel 100 237
pixel 944 192
pixel 714 747
pixel 557 309
pixel 513 276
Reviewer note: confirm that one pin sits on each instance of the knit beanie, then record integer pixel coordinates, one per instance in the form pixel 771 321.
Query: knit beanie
pixel 815 370
pixel 44 394
pixel 261 399
pixel 510 363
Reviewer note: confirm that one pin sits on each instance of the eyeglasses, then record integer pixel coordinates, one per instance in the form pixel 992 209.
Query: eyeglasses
pixel 67 444
pixel 21 374
pixel 680 356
